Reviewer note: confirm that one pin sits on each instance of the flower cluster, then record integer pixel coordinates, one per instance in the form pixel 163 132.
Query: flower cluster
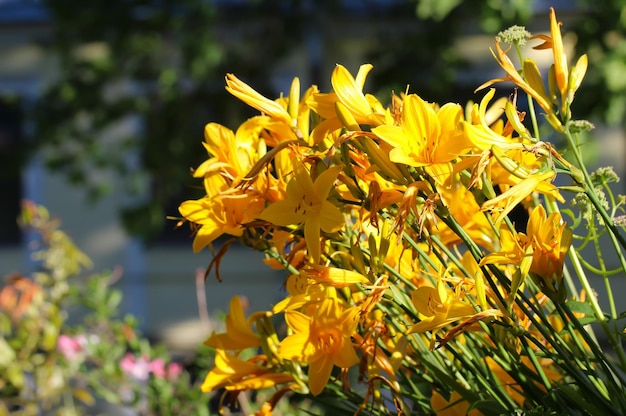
pixel 49 366
pixel 406 271
pixel 141 368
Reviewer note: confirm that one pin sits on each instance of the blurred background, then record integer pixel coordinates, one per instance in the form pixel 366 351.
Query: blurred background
pixel 103 105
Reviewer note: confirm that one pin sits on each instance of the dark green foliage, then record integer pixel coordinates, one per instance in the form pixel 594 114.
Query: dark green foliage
pixel 162 63
pixel 600 30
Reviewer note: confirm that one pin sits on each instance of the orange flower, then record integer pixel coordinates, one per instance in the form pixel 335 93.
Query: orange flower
pixel 18 296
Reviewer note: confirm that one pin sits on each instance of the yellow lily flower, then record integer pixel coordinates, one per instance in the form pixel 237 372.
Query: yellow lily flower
pixel 551 240
pixel 547 240
pixel 468 215
pixel 348 90
pixel 365 108
pixel 233 374
pixel 502 204
pixel 426 137
pixel 220 215
pixel 306 203
pixel 238 333
pixel 333 276
pixel 439 307
pixel 567 80
pixel 286 118
pixel 301 294
pixel 322 340
pixel 232 156
pixel 478 128
pixel 304 114
pixel 233 153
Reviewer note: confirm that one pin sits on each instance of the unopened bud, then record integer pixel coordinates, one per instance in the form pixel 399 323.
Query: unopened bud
pixel 576 76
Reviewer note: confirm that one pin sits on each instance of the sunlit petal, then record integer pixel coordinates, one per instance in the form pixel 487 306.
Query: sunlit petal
pixel 248 95
pixel 319 373
pixel 282 213
pixel 349 92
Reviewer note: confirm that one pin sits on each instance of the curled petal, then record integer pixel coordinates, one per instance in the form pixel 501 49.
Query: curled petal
pixel 251 97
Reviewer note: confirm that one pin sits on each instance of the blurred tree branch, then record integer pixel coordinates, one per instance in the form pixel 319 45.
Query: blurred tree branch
pixel 137 81
pixel 158 65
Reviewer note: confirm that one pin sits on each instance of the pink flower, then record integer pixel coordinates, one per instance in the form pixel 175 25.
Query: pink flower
pixel 139 369
pixel 174 370
pixel 157 366
pixel 70 347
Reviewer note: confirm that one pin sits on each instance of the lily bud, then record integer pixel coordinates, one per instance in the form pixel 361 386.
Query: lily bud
pixel 294 98
pixel 380 160
pixel 576 76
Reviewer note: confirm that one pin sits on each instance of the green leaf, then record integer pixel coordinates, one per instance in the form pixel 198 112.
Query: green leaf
pixel 580 307
pixel 488 407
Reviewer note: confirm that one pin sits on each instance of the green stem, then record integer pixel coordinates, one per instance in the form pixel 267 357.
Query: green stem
pixel 617 240
pixel 582 278
pixel 607 284
pixel 616 237
pixel 531 107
